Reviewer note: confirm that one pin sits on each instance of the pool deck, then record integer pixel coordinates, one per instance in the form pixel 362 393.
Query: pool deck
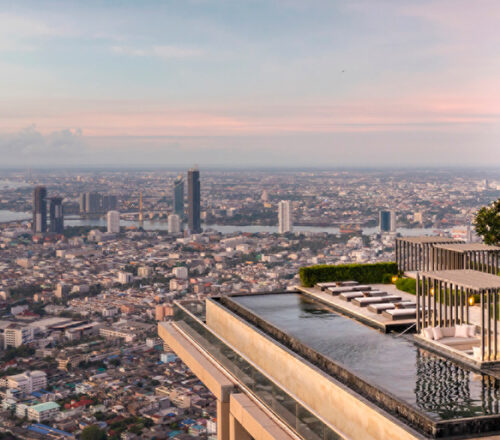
pixel 362 314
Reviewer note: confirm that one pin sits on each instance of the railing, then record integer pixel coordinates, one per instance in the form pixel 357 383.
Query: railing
pixel 189 318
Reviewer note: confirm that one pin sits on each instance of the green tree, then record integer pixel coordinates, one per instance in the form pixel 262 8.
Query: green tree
pixel 93 432
pixel 487 223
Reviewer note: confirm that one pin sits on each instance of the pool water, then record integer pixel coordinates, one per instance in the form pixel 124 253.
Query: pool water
pixel 440 388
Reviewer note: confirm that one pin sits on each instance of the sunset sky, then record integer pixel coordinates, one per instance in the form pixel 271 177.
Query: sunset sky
pixel 250 83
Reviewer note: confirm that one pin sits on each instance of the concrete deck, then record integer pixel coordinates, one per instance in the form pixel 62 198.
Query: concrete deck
pixel 362 314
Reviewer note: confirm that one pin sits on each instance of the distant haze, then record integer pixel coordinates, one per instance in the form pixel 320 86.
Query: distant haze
pixel 250 83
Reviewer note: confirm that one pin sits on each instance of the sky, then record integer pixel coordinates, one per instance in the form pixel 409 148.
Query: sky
pixel 235 83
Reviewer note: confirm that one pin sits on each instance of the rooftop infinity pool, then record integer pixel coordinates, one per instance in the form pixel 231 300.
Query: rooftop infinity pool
pixel 439 388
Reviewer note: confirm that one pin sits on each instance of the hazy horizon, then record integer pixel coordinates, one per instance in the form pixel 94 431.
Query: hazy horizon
pixel 258 83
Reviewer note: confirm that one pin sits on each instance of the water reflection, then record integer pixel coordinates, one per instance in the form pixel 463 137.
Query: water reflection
pixel 440 388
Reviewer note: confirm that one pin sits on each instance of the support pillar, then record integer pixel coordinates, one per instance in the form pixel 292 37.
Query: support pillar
pixel 222 420
pixel 236 431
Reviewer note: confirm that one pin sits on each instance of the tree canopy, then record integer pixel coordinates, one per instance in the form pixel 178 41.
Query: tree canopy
pixel 487 223
pixel 93 432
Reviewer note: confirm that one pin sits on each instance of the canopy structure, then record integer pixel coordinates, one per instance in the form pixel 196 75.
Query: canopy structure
pixel 443 300
pixel 476 256
pixel 416 253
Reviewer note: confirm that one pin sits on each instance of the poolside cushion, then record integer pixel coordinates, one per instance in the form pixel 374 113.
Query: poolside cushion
pixel 428 334
pixel 471 330
pixel 462 331
pixel 437 333
pixel 448 332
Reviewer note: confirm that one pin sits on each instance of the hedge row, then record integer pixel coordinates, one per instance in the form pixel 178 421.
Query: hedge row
pixel 363 273
pixel 407 285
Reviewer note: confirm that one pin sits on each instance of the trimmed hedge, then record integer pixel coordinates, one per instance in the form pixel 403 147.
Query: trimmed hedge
pixel 363 273
pixel 408 285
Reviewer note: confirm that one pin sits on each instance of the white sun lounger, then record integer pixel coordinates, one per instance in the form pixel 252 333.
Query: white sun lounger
pixel 348 296
pixel 396 314
pixel 374 293
pixel 324 286
pixel 339 290
pixel 363 302
pixel 379 308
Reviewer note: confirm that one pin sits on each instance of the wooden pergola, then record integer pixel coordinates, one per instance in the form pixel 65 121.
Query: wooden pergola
pixel 415 253
pixel 476 256
pixel 454 288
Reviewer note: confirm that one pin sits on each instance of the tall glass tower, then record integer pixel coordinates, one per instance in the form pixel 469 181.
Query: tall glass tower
pixel 56 215
pixel 194 222
pixel 179 196
pixel 39 209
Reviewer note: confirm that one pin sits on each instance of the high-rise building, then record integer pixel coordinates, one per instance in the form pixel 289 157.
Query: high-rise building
pixel 56 215
pixel 285 222
pixel 194 221
pixel 92 202
pixel 387 221
pixel 39 209
pixel 109 202
pixel 174 224
pixel 113 218
pixel 418 217
pixel 83 203
pixel 179 196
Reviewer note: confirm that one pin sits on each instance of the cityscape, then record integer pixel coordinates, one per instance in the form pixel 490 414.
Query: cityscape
pixel 249 220
pixel 105 254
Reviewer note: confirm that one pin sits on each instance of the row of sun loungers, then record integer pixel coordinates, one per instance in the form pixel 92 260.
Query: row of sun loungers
pixel 376 301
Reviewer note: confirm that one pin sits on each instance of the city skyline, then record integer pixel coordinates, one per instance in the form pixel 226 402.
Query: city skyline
pixel 358 84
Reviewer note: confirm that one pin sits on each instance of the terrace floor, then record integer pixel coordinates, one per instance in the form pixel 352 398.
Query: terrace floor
pixel 373 319
pixel 362 313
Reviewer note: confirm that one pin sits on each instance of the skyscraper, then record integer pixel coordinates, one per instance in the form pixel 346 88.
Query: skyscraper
pixel 92 202
pixel 113 218
pixel 83 203
pixel 109 202
pixel 387 221
pixel 56 215
pixel 39 209
pixel 194 222
pixel 284 217
pixel 174 224
pixel 179 196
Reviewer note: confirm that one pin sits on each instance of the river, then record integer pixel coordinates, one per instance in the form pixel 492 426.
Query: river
pixel 152 225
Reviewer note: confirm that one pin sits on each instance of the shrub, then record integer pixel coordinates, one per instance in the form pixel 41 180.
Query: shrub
pixel 387 278
pixel 363 273
pixel 407 285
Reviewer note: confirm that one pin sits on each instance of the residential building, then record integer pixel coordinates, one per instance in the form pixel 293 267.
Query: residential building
pixel 285 222
pixel 174 224
pixel 144 271
pixel 180 272
pixel 43 411
pixel 113 218
pixel 16 335
pixel 28 382
pixel 124 277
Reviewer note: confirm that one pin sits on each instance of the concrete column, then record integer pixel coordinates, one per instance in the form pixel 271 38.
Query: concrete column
pixel 236 431
pixel 222 420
